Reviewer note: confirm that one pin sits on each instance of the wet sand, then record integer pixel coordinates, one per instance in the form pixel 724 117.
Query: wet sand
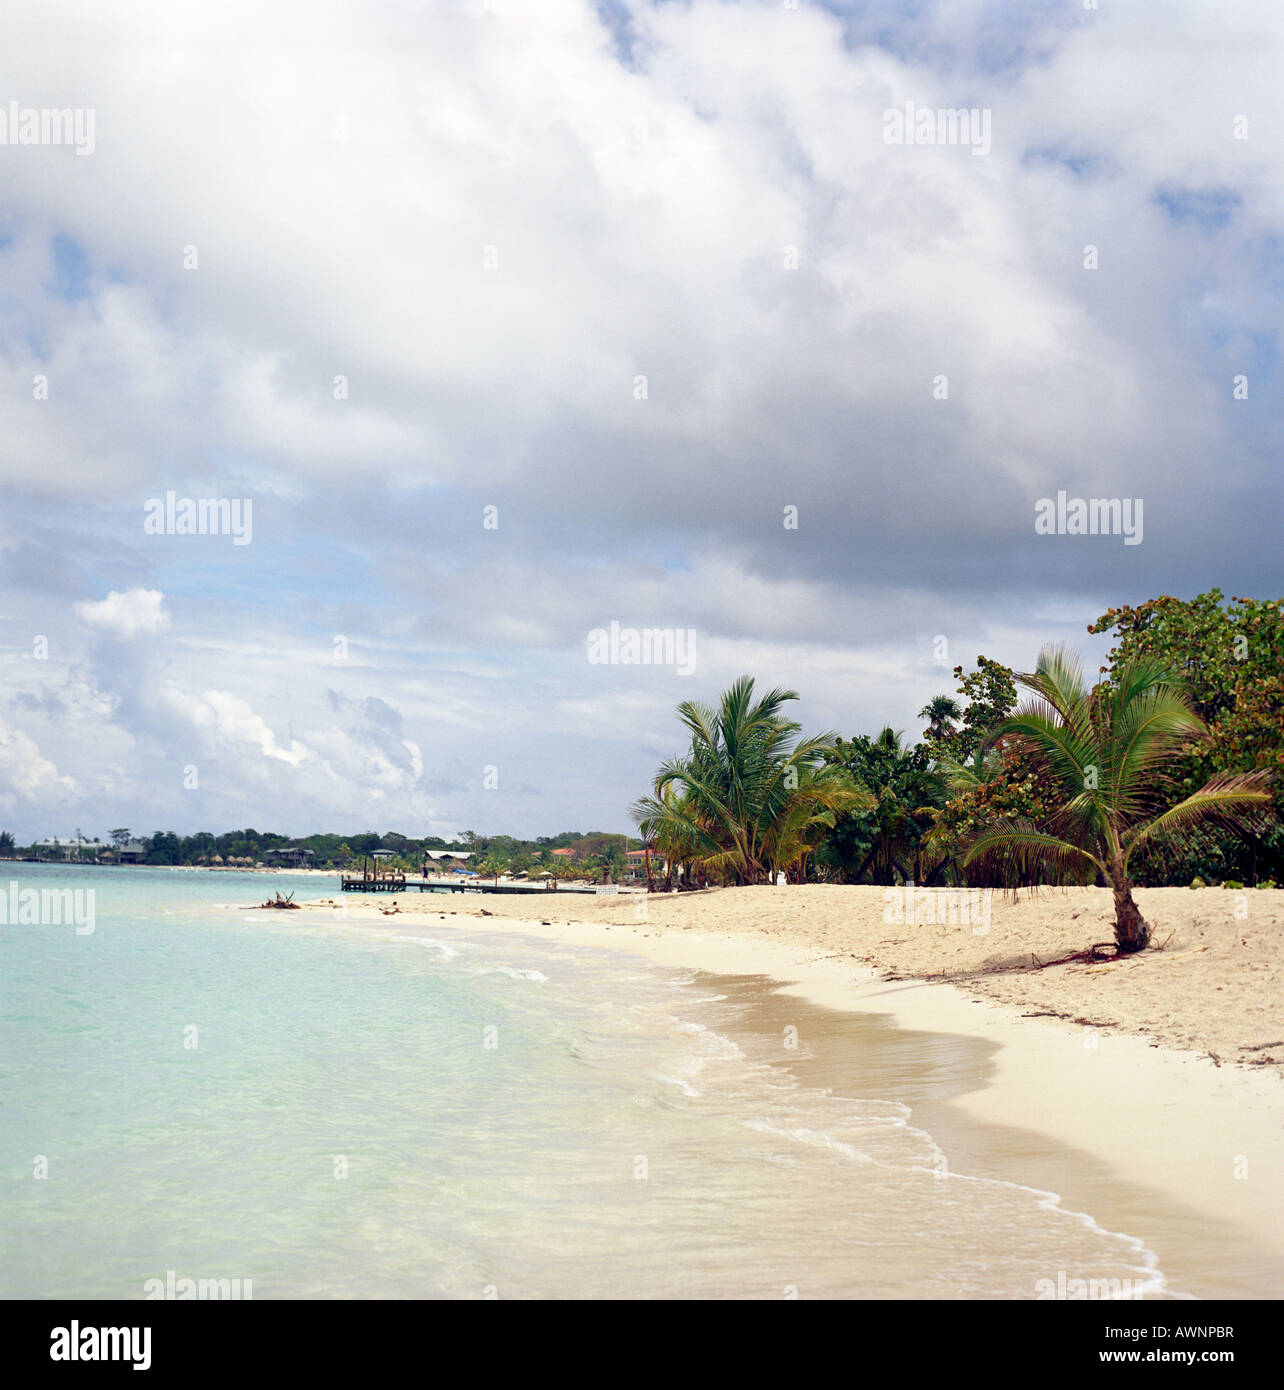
pixel 867 1056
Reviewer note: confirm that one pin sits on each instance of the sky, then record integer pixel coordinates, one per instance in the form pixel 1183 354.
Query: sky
pixel 506 322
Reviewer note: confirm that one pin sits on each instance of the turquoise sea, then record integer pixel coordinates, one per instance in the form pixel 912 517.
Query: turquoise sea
pixel 328 1108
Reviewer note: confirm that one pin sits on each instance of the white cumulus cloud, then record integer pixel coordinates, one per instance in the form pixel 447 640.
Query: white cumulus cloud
pixel 25 770
pixel 126 613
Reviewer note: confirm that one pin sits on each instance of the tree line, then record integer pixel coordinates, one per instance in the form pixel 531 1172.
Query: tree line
pixel 595 854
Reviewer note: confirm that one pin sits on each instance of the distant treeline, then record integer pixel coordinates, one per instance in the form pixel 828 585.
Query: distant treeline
pixel 591 852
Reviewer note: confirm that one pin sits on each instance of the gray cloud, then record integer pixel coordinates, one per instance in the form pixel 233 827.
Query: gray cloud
pixel 489 224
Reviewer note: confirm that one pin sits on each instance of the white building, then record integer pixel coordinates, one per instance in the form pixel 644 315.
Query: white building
pixel 71 847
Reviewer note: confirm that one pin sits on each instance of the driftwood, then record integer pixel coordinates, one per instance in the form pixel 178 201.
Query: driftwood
pixel 1074 1018
pixel 1093 955
pixel 279 901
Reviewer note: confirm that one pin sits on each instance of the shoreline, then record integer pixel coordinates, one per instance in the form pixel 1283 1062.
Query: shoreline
pixel 1148 1139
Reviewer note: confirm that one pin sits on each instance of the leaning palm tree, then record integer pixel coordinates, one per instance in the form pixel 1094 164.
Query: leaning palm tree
pixel 1110 750
pixel 746 771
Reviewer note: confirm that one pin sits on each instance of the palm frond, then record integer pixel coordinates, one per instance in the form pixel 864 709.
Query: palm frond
pixel 1143 737
pixel 1232 800
pixel 1057 682
pixel 1022 847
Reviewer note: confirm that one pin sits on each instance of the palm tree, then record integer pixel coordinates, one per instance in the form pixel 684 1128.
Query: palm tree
pixel 613 862
pixel 822 794
pixel 663 820
pixel 984 766
pixel 491 866
pixel 746 774
pixel 940 712
pixel 1110 749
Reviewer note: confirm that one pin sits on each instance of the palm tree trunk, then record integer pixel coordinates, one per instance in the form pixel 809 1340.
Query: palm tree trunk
pixel 1132 931
pixel 864 864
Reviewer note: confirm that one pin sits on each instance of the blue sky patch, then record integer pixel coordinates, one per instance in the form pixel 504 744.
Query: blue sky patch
pixel 1208 209
pixel 71 269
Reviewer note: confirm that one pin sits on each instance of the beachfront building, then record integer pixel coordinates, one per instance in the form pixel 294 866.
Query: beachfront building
pixel 291 857
pixel 635 864
pixel 446 861
pixel 72 847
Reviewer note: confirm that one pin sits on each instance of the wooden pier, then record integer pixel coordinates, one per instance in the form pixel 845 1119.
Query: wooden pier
pixel 372 880
pixel 356 883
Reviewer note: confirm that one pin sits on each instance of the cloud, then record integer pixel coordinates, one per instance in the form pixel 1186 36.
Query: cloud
pixel 127 613
pixel 229 718
pixel 26 774
pixel 382 270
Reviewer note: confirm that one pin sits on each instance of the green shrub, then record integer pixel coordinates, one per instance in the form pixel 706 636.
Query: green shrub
pixel 1233 883
pixel 1198 883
